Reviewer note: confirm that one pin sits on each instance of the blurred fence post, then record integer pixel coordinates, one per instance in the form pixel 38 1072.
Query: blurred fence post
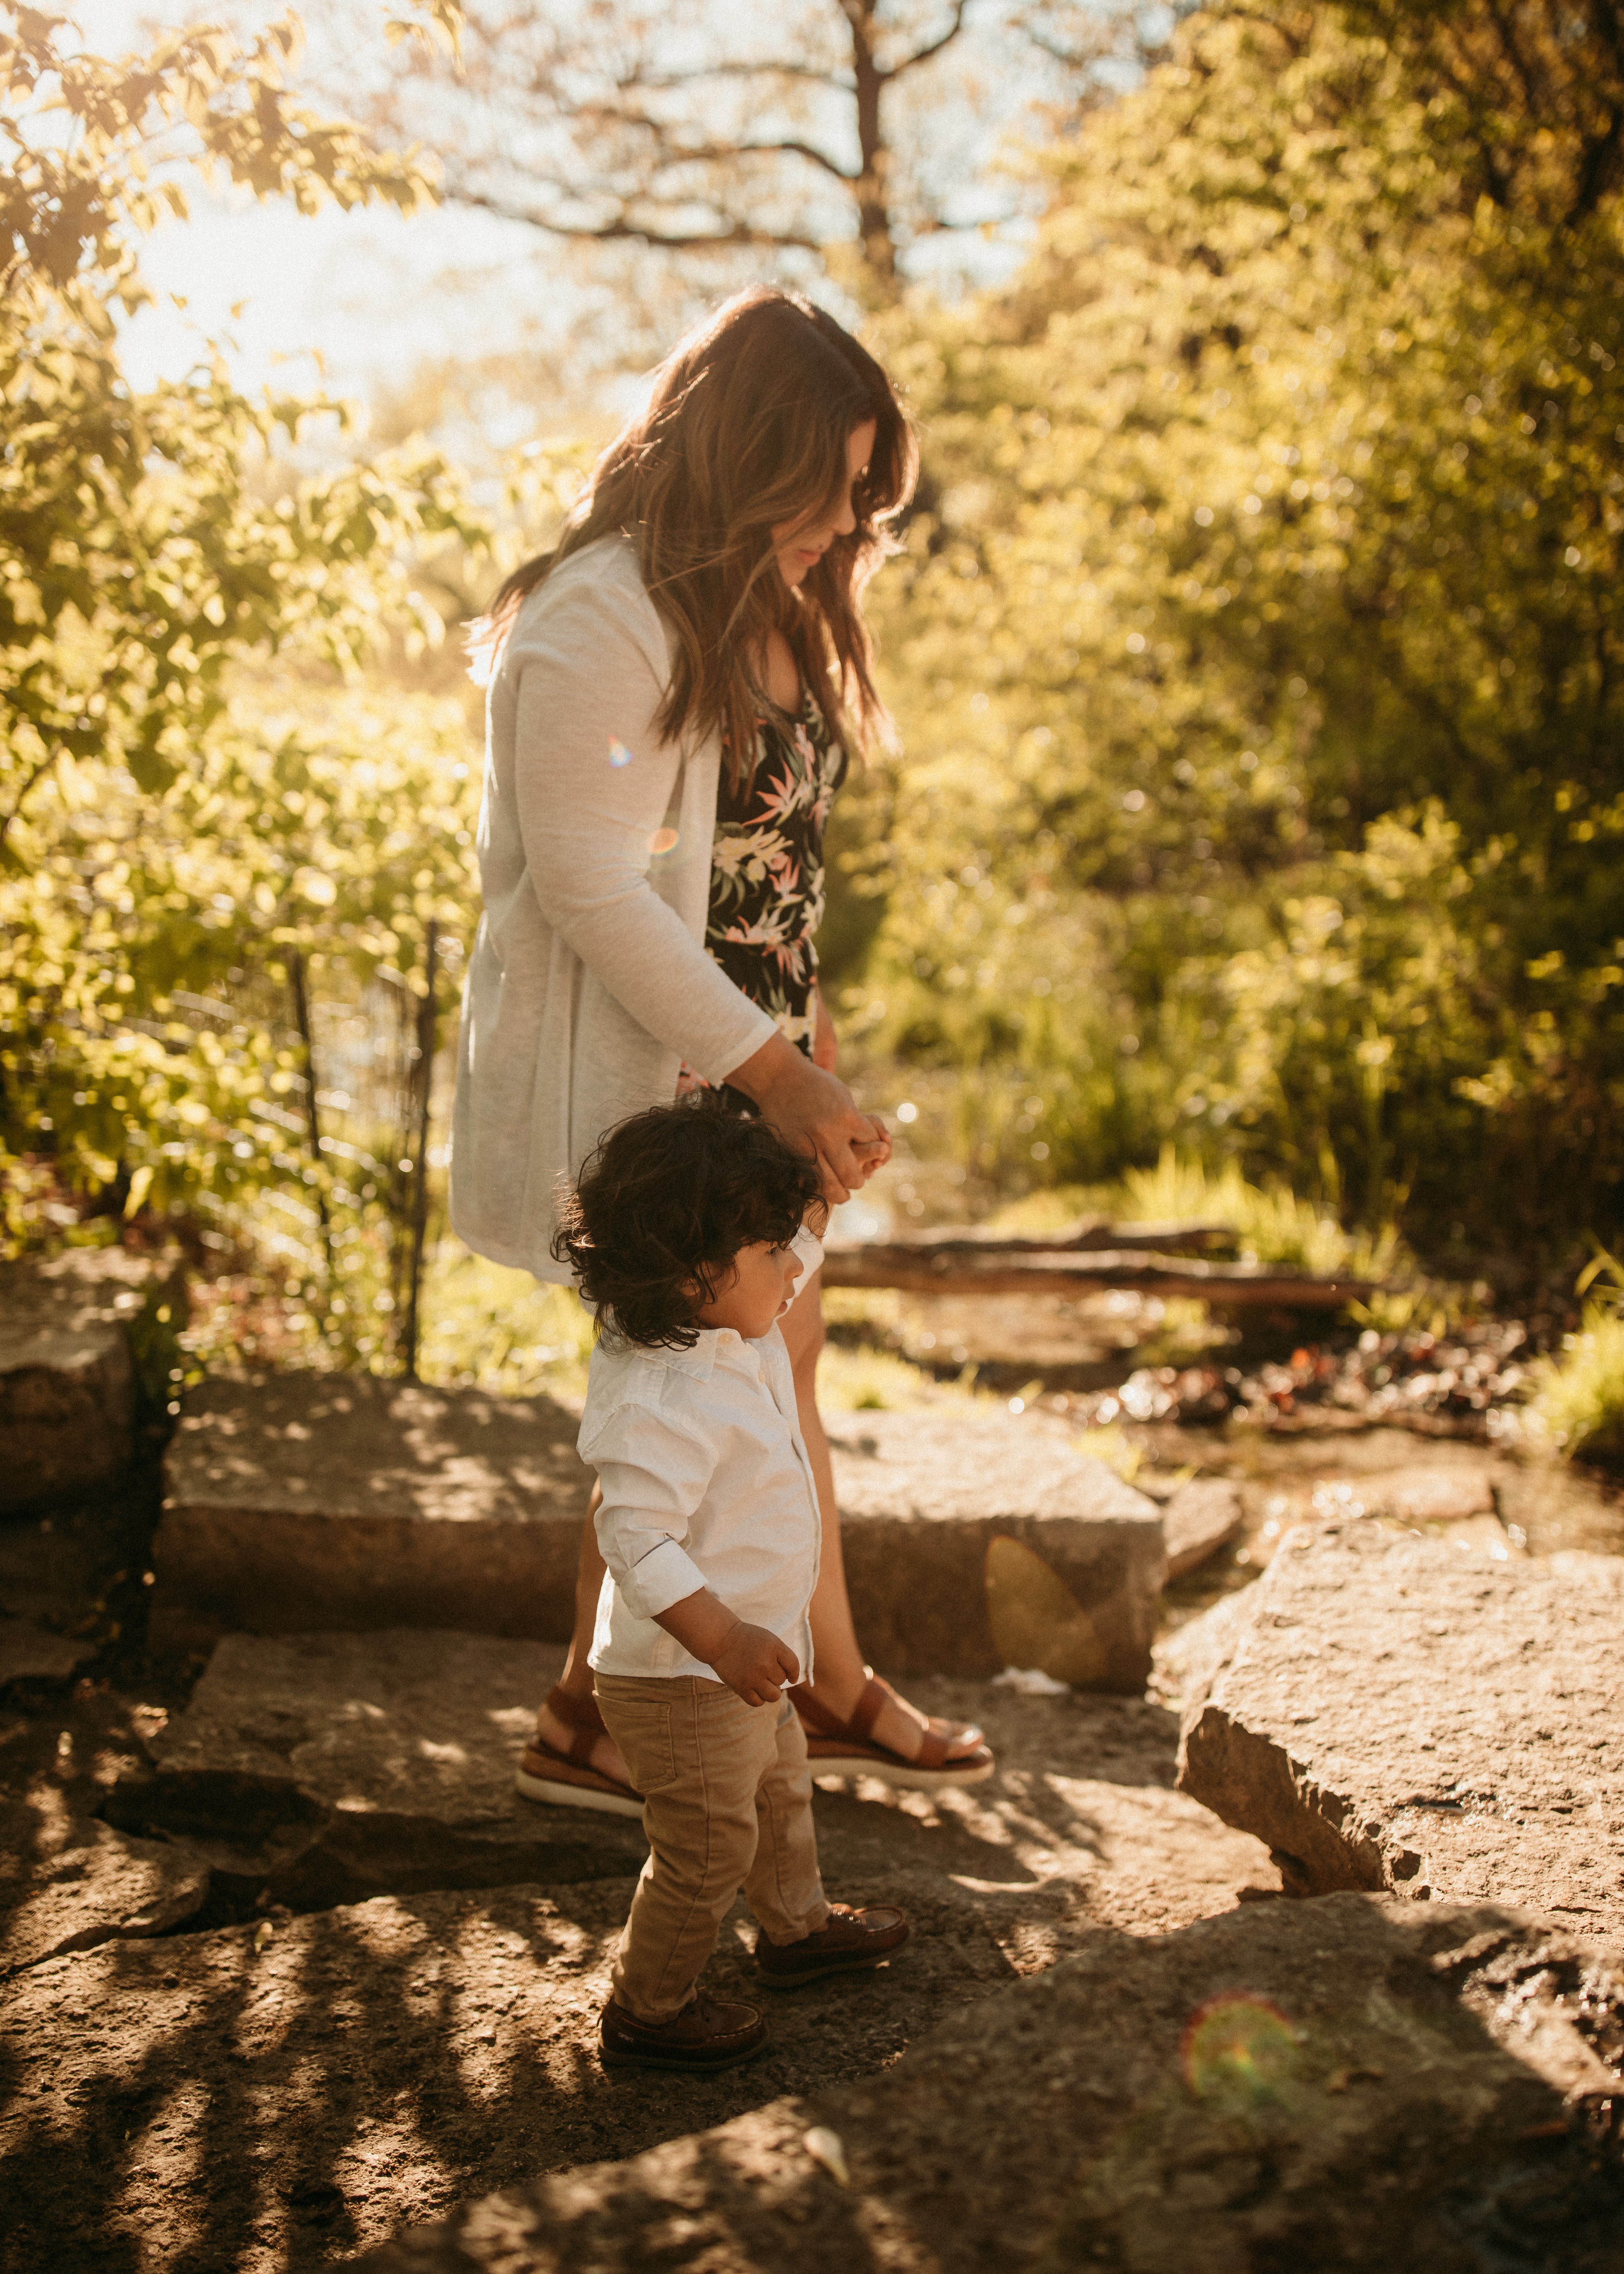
pixel 312 1117
pixel 423 1090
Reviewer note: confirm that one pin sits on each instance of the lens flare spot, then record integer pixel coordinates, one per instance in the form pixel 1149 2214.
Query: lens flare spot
pixel 619 755
pixel 1238 2048
pixel 663 840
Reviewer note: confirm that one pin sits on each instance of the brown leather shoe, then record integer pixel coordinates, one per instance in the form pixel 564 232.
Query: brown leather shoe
pixel 704 2037
pixel 851 1939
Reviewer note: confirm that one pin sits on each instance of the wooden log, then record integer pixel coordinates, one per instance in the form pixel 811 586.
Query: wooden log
pixel 917 1270
pixel 1088 1233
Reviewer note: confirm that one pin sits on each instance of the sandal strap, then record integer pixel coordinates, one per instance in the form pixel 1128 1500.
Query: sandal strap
pixel 813 1715
pixel 583 1721
pixel 939 1731
pixel 868 1708
pixel 932 1752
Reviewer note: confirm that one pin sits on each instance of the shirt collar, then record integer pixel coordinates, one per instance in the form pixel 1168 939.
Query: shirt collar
pixel 715 1343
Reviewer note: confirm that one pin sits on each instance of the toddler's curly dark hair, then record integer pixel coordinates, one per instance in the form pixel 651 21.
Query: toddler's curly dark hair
pixel 666 1203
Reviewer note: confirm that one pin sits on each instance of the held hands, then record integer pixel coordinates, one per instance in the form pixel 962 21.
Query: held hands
pixel 813 1109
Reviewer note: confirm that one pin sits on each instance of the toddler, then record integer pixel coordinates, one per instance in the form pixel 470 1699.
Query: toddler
pixel 687 1232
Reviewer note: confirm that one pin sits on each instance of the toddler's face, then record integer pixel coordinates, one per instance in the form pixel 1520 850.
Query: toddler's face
pixel 763 1279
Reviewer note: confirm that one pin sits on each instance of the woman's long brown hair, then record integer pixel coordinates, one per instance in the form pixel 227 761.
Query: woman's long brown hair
pixel 746 428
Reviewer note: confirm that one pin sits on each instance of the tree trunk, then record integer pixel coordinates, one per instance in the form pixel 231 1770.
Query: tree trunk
pixel 874 231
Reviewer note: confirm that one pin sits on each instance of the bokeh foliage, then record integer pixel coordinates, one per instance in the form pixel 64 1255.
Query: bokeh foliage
pixel 202 798
pixel 1257 651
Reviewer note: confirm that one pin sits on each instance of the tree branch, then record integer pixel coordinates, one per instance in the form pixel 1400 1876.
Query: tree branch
pixel 663 82
pixel 675 153
pixel 932 47
pixel 733 234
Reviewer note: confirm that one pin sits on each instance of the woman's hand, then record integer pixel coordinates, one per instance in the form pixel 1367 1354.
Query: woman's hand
pixel 815 1113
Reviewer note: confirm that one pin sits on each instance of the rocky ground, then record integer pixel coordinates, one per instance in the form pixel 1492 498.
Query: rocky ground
pixel 286 1970
pixel 277 2091
pixel 1344 2084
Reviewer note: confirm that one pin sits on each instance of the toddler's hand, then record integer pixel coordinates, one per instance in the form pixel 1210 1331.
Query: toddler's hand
pixel 873 1152
pixel 755 1664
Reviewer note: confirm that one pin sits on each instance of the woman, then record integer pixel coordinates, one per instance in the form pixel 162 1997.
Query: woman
pixel 673 692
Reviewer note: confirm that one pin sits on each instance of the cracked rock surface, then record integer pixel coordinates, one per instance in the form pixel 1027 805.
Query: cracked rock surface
pixel 68 1882
pixel 292 2089
pixel 1395 1711
pixel 316 1769
pixel 1352 2083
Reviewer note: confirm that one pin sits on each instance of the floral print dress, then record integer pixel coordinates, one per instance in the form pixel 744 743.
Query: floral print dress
pixel 767 871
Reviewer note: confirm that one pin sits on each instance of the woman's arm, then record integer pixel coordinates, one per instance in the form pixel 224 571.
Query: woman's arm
pixel 594 785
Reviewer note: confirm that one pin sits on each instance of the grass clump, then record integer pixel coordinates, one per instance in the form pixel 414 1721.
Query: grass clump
pixel 486 1328
pixel 870 1380
pixel 1577 1403
pixel 1270 1224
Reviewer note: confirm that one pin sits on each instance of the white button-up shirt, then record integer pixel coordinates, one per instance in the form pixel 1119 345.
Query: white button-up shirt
pixel 706 1483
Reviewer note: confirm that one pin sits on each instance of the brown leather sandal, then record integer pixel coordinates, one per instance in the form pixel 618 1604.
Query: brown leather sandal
pixel 849 1749
pixel 568 1780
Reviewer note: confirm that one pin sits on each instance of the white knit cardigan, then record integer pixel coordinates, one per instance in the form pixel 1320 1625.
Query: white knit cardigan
pixel 588 982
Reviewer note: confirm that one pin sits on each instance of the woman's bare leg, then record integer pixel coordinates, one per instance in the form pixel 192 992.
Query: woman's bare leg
pixel 577 1679
pixel 839 1672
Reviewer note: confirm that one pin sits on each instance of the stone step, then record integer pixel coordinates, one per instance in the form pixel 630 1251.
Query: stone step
pixel 308 1770
pixel 1357 2082
pixel 269 2095
pixel 922 1496
pixel 67 1377
pixel 1198 1519
pixel 315 1769
pixel 296 1502
pixel 1394 1711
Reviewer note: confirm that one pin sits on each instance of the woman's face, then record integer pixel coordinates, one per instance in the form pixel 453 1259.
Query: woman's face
pixel 802 545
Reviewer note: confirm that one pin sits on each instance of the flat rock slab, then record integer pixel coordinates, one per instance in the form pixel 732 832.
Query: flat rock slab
pixel 68 1882
pixel 1198 1519
pixel 1347 2084
pixel 1392 1713
pixel 323 1768
pixel 67 1379
pixel 316 1769
pixel 297 1502
pixel 923 1495
pixel 31 1652
pixel 213 2101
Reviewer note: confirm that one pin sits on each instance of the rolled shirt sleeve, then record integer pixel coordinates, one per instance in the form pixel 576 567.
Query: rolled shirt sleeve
pixel 653 1474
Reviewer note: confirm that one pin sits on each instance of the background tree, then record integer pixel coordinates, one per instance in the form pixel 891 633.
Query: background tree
pixel 856 132
pixel 201 810
pixel 1260 668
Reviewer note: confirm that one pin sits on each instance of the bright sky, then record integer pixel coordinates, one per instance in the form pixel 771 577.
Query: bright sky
pixel 370 294
pixel 352 301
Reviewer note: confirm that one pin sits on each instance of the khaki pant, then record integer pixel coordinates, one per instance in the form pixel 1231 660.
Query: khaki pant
pixel 728 1803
